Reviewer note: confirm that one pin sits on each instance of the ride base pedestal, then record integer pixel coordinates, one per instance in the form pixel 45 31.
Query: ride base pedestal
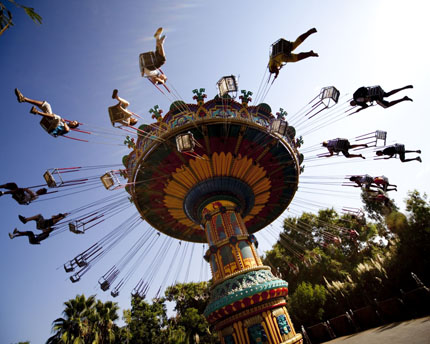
pixel 247 302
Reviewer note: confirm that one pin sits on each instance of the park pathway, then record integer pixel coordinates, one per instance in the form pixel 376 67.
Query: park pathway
pixel 415 331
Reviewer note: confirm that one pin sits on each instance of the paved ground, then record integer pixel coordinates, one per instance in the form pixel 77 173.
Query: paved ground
pixel 416 331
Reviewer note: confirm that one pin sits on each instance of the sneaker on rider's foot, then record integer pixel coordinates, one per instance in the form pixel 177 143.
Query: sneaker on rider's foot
pixel 22 219
pixel 19 96
pixel 114 93
pixel 419 159
pixel 158 32
pixel 11 235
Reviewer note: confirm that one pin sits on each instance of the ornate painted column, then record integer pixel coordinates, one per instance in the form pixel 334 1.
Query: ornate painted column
pixel 247 303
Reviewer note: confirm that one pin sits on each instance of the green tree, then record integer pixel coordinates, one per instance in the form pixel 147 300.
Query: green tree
pixel 6 15
pixel 412 243
pixel 102 320
pixel 85 320
pixel 74 327
pixel 148 321
pixel 307 303
pixel 190 300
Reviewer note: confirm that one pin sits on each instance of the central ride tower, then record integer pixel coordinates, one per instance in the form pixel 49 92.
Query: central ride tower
pixel 217 172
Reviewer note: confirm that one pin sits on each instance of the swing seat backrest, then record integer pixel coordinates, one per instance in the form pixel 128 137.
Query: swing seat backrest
pixel 80 261
pixel 341 144
pixel 73 227
pixel 107 180
pixel 399 148
pixel 105 285
pixel 147 60
pixel 375 92
pixel 185 143
pixel 75 278
pixel 280 126
pixel 50 180
pixel 117 114
pixel 281 46
pixel 48 124
pixel 330 92
pixel 68 267
pixel 380 135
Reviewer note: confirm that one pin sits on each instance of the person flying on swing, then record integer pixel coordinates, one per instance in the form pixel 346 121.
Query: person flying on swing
pixel 23 196
pixel 383 183
pixel 365 95
pixel 342 146
pixel 398 149
pixel 57 125
pixel 278 60
pixel 46 226
pixel 152 71
pixel 128 120
pixel 365 180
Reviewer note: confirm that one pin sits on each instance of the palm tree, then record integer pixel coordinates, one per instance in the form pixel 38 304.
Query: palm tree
pixel 102 322
pixel 75 326
pixel 6 16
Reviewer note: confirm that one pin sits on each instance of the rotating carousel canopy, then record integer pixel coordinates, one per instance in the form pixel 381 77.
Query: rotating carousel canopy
pixel 240 162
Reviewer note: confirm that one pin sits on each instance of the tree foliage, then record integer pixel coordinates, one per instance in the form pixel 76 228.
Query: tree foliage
pixel 85 320
pixel 374 263
pixel 307 303
pixel 6 15
pixel 147 321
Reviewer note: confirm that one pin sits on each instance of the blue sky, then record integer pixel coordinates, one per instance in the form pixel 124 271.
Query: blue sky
pixel 83 50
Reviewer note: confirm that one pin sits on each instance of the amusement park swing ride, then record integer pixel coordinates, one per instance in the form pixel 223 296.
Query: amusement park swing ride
pixel 214 172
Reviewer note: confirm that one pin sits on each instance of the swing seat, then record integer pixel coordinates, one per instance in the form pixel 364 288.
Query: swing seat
pixel 375 92
pixel 337 241
pixel 281 47
pixel 381 135
pixel 118 115
pixel 107 180
pixel 400 148
pixel 147 60
pixel 68 267
pixel 185 142
pixel 341 144
pixel 110 181
pixel 280 126
pixel 50 180
pixel 75 278
pixel 80 261
pixel 73 227
pixel 105 285
pixel 48 124
pixel 226 85
pixel 329 93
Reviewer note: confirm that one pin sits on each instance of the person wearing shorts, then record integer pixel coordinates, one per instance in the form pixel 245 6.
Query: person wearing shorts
pixel 153 72
pixel 45 225
pixel 128 119
pixel 57 126
pixel 33 239
pixel 41 222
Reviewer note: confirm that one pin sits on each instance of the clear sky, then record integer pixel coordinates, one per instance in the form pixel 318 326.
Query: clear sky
pixel 85 49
